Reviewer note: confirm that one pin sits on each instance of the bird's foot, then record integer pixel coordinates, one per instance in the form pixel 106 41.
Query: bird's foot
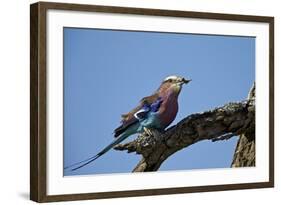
pixel 147 131
pixel 152 132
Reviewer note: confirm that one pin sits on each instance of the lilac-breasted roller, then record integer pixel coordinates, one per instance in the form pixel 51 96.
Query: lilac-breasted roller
pixel 156 111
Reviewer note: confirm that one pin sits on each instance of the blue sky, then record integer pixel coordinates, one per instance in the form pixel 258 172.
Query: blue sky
pixel 107 72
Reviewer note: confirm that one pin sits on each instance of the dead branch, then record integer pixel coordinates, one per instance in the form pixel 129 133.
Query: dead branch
pixel 222 123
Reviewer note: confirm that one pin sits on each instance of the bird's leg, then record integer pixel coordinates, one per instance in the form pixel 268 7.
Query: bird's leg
pixel 152 132
pixel 147 131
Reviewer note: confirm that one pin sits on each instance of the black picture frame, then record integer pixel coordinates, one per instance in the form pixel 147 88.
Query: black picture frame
pixel 38 100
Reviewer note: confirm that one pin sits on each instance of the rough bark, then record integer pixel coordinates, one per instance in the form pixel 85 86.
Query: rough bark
pixel 245 153
pixel 222 123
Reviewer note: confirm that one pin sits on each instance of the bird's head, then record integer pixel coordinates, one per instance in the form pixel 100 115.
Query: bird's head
pixel 174 82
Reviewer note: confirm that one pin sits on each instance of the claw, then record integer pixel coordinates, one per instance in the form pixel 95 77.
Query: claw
pixel 148 131
pixel 152 132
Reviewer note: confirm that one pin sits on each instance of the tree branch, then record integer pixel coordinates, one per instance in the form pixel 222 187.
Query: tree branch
pixel 221 123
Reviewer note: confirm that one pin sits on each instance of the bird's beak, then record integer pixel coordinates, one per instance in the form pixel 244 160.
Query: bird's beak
pixel 185 81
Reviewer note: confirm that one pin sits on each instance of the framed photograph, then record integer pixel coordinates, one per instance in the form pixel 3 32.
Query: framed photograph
pixel 135 102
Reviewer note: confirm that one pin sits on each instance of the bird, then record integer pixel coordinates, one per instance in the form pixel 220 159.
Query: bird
pixel 154 112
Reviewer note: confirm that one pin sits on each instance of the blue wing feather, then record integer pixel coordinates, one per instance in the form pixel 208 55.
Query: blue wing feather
pixel 150 103
pixel 156 105
pixel 143 112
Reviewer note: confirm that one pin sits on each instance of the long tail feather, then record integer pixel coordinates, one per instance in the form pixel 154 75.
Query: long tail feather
pixel 77 163
pixel 93 158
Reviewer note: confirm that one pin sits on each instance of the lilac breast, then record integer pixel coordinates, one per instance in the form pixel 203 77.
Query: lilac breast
pixel 168 110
